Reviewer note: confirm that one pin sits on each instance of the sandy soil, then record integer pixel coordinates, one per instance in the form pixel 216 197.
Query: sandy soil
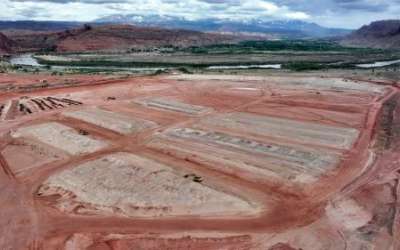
pixel 131 185
pixel 227 162
pixel 117 122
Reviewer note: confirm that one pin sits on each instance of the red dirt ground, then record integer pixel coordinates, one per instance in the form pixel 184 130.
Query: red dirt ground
pixel 297 216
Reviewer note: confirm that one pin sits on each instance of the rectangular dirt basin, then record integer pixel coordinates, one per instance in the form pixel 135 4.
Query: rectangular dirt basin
pixel 116 122
pixel 60 137
pixel 233 153
pixel 281 128
pixel 164 103
pixel 131 185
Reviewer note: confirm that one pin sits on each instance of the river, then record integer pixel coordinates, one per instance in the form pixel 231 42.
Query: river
pixel 29 60
pixel 25 60
pixel 378 64
pixel 266 66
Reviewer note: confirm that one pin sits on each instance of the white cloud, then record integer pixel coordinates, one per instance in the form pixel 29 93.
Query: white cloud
pixel 88 10
pixel 333 13
pixel 297 15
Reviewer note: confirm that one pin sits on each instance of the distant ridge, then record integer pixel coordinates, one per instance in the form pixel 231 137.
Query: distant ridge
pixel 114 37
pixel 38 25
pixel 380 34
pixel 280 29
pixel 5 45
pixel 291 29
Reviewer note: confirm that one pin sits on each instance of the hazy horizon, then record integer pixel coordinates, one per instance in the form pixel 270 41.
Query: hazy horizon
pixel 329 13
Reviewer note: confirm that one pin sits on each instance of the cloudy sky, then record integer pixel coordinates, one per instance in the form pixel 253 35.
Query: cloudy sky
pixel 331 13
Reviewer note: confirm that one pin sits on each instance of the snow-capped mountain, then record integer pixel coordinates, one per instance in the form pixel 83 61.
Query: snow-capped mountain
pixel 280 28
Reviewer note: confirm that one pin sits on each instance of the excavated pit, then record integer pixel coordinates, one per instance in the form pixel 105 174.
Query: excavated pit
pixel 287 129
pixel 116 122
pixel 60 137
pixel 130 185
pixel 169 104
pixel 199 162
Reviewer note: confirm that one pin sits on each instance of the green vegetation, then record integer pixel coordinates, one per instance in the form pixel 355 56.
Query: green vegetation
pixel 138 64
pixel 4 66
pixel 279 45
pixel 184 70
pixel 295 55
pixel 106 63
pixel 304 66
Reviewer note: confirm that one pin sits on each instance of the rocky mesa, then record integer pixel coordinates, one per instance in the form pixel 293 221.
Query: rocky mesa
pixel 115 37
pixel 5 45
pixel 380 34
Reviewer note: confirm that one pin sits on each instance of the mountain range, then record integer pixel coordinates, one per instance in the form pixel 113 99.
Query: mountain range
pixel 292 29
pixel 112 37
pixel 37 25
pixel 152 31
pixel 380 34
